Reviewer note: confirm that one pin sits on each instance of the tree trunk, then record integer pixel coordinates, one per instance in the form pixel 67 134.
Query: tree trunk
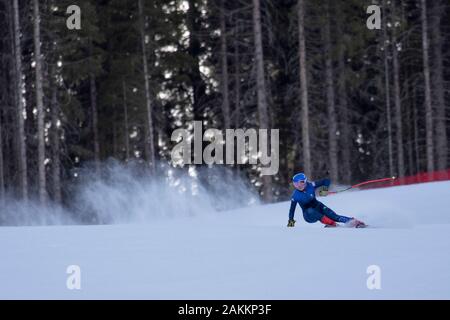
pixel 127 130
pixel 2 171
pixel 148 101
pixel 115 146
pixel 304 90
pixel 237 86
pixel 426 73
pixel 20 127
pixel 387 94
pixel 224 65
pixel 56 152
pixel 194 50
pixel 346 141
pixel 331 107
pixel 263 114
pixel 416 129
pixel 40 105
pixel 94 111
pixel 237 80
pixel 398 110
pixel 409 135
pixel 8 149
pixel 438 86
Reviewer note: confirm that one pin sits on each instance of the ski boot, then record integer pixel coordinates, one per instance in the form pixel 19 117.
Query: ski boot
pixel 355 223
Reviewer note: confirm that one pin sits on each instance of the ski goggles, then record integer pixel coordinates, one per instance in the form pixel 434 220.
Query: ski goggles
pixel 299 183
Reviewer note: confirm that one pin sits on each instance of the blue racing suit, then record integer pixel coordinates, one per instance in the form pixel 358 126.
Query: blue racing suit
pixel 313 210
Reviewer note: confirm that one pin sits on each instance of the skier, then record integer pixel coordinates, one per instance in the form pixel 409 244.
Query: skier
pixel 314 210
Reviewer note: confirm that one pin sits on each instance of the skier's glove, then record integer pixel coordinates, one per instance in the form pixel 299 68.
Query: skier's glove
pixel 323 192
pixel 291 223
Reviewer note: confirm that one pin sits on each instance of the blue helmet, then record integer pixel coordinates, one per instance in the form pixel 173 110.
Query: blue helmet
pixel 299 177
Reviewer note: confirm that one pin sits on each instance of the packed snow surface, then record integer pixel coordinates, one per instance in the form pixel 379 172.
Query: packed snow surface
pixel 244 253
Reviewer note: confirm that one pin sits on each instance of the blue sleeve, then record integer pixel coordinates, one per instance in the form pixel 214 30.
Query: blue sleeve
pixel 323 182
pixel 292 209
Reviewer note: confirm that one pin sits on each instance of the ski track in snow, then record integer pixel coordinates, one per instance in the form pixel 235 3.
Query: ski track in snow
pixel 244 254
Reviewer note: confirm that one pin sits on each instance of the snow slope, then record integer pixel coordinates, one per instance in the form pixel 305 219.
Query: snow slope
pixel 244 254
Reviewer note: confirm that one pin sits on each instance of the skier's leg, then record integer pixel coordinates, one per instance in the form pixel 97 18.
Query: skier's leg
pixel 333 215
pixel 311 215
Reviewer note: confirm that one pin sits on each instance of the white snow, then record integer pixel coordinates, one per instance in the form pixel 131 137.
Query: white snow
pixel 244 254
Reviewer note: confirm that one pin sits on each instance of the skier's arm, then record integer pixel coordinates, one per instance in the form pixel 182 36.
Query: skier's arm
pixel 323 185
pixel 292 209
pixel 320 183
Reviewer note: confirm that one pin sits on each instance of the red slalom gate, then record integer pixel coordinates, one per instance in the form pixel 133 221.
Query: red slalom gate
pixel 364 183
pixel 422 177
